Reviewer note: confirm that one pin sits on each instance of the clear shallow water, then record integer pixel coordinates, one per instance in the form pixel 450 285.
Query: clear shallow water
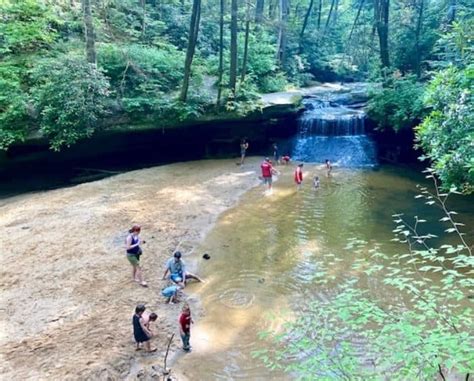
pixel 266 253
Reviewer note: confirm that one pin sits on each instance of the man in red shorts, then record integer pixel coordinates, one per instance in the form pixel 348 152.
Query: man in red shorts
pixel 267 172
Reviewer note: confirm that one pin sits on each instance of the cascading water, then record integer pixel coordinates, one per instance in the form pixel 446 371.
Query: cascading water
pixel 331 130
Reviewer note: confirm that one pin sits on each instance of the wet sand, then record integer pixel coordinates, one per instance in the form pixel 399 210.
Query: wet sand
pixel 66 295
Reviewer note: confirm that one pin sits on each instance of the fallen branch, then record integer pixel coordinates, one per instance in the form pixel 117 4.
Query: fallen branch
pixel 165 370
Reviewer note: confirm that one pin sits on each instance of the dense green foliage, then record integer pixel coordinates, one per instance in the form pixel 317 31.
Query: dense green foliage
pixel 141 45
pixel 447 133
pixel 423 331
pixel 398 105
pixel 70 96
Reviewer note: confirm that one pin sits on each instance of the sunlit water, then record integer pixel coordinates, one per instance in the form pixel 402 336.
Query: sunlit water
pixel 266 253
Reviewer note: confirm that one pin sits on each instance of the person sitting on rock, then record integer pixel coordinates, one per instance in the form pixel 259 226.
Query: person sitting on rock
pixel 177 270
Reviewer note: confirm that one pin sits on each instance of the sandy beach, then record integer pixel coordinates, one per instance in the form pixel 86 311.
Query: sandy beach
pixel 66 294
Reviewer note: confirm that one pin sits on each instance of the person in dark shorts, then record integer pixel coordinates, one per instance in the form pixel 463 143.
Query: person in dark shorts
pixel 141 331
pixel 275 154
pixel 134 252
pixel 244 146
pixel 185 322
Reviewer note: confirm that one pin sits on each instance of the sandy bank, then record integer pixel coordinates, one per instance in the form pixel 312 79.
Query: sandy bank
pixel 66 298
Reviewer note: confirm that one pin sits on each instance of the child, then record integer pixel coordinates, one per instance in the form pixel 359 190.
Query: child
pixel 185 322
pixel 141 332
pixel 171 292
pixel 328 167
pixel 299 176
pixel 316 182
pixel 286 159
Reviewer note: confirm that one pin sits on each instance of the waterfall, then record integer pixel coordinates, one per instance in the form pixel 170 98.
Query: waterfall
pixel 330 130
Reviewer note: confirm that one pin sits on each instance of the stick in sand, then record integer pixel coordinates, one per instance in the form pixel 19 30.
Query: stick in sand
pixel 165 371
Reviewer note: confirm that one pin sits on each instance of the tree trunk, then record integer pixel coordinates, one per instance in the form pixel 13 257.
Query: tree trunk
pixel 329 15
pixel 246 43
pixel 259 7
pixel 381 13
pixel 221 53
pixel 233 46
pixel 143 4
pixel 361 4
pixel 271 9
pixel 305 23
pixel 451 16
pixel 336 9
pixel 320 9
pixel 193 34
pixel 419 26
pixel 283 21
pixel 89 32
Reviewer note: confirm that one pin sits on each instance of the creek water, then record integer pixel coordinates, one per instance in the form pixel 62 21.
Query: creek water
pixel 266 253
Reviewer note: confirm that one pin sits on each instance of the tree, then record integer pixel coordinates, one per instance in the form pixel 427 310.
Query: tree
pixel 284 10
pixel 381 17
pixel 305 24
pixel 221 52
pixel 246 42
pixel 71 96
pixel 233 47
pixel 89 32
pixel 447 133
pixel 259 8
pixel 192 40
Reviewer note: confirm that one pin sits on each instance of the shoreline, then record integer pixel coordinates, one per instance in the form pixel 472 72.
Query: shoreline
pixel 65 288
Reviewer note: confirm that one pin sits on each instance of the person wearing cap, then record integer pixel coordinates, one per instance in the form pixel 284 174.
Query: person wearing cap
pixel 267 172
pixel 141 330
pixel 177 270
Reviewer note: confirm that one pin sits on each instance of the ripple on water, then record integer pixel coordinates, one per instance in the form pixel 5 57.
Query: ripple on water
pixel 237 298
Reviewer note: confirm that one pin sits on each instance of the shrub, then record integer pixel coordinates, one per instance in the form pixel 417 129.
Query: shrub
pixel 70 96
pixel 398 105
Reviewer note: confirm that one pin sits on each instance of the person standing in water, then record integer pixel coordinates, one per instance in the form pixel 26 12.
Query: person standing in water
pixel 328 167
pixel 299 176
pixel 134 252
pixel 141 332
pixel 316 182
pixel 267 173
pixel 244 146
pixel 185 322
pixel 275 153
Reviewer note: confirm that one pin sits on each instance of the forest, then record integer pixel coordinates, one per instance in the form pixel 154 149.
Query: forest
pixel 70 68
